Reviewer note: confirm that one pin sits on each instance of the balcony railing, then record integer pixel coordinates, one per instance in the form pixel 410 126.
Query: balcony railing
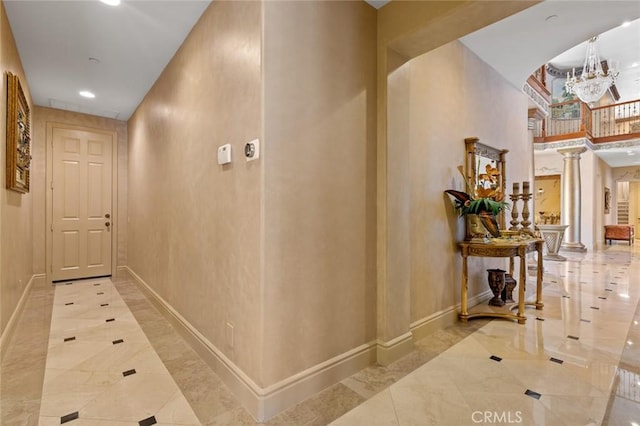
pixel 574 119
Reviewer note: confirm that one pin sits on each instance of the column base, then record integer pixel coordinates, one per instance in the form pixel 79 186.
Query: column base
pixel 574 247
pixel 556 257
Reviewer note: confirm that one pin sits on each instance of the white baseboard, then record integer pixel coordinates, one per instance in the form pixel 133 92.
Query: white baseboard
pixel 262 403
pixel 393 350
pixel 7 334
pixel 444 318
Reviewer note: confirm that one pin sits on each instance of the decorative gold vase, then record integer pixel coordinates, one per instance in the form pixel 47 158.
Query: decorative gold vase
pixel 490 223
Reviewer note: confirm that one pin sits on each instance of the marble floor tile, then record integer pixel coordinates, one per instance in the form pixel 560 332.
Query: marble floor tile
pixel 569 364
pixel 562 367
pixel 101 365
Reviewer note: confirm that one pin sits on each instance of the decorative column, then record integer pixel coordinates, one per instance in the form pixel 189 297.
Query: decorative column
pixel 571 197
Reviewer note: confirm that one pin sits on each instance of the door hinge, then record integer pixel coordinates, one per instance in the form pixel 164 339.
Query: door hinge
pixel 51 184
pixel 51 227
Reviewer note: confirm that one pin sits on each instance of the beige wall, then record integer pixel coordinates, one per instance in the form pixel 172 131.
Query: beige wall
pixel 453 95
pixel 41 116
pixel 16 229
pixel 405 30
pixel 282 248
pixel 319 199
pixel 634 206
pixel 195 226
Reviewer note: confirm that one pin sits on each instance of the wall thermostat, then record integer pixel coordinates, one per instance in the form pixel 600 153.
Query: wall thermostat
pixel 224 154
pixel 252 150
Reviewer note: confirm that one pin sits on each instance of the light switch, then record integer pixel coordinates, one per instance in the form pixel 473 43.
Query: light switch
pixel 224 154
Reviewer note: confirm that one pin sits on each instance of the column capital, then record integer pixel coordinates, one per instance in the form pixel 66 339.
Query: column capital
pixel 573 152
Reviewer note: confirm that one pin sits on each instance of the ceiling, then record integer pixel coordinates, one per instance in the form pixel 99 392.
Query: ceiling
pixel 130 45
pixel 556 32
pixel 118 52
pixel 620 46
pixel 518 45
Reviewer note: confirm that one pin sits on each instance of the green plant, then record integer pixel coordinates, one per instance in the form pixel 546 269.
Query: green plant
pixel 483 196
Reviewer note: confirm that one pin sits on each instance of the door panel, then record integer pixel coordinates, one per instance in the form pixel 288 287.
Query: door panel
pixel 81 197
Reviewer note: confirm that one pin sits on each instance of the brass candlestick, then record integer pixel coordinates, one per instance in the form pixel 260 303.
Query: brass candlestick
pixel 526 196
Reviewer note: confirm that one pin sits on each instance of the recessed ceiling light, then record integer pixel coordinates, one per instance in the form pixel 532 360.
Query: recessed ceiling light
pixel 624 24
pixel 111 2
pixel 633 65
pixel 87 94
pixel 631 153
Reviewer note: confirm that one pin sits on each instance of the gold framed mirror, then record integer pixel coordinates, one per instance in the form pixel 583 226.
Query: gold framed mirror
pixel 478 157
pixel 18 137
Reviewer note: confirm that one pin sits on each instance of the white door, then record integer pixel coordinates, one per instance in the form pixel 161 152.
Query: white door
pixel 81 204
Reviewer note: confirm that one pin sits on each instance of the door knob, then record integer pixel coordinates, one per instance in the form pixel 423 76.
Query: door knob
pixel 107 216
pixel 107 224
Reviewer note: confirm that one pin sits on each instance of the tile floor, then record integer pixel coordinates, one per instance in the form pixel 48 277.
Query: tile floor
pixel 577 362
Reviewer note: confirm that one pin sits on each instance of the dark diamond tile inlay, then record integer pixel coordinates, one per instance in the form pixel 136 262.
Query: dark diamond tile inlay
pixel 608 289
pixel 68 283
pixel 96 284
pixel 68 339
pixel 603 298
pixel 110 320
pixel 495 358
pixel 614 283
pixel 100 293
pixel 556 360
pixel 104 304
pixel 540 319
pixel 69 417
pixel 129 372
pixel 566 297
pixel 148 421
pixel 115 342
pixel 532 394
pixel 595 307
pixel 67 304
pixel 573 337
pixel 584 320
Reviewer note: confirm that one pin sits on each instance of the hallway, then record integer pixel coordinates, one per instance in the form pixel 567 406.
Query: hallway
pixel 582 347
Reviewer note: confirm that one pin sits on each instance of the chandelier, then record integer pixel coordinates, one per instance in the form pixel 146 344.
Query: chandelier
pixel 593 82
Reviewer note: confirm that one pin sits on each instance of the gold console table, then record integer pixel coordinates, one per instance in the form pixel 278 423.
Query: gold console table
pixel 499 247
